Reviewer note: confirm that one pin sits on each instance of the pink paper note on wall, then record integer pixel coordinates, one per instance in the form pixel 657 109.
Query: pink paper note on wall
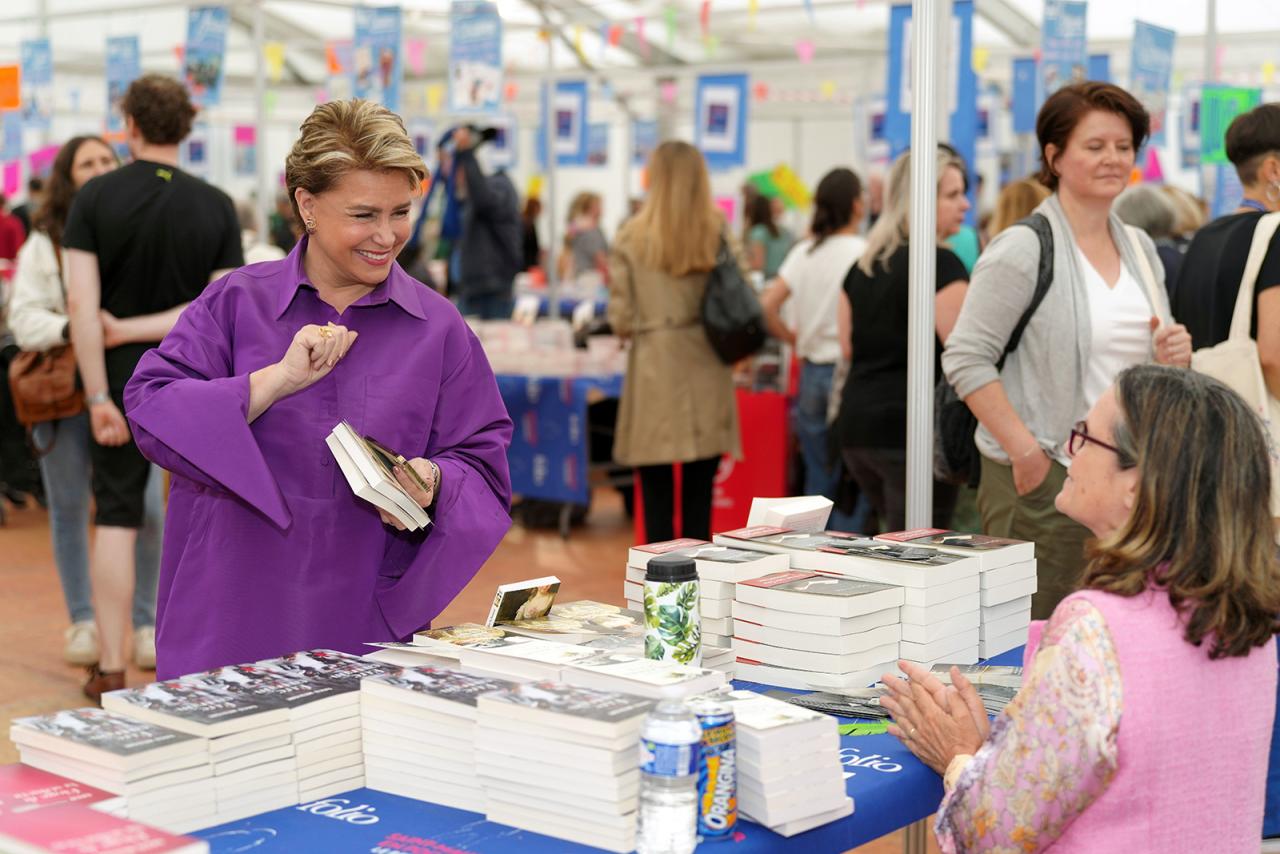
pixel 246 134
pixel 12 177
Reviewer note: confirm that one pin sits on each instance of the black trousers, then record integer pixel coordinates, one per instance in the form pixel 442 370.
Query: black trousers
pixel 657 486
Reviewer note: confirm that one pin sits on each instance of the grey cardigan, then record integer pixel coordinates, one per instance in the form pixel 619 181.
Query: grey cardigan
pixel 1044 377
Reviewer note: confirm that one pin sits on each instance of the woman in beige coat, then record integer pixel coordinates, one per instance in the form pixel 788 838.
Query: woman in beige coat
pixel 678 403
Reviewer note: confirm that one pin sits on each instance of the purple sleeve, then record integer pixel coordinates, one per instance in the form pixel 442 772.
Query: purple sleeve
pixel 470 434
pixel 188 413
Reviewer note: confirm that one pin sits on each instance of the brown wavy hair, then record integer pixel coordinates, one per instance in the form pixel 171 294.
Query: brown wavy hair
pixel 160 108
pixel 1201 528
pixel 51 216
pixel 1064 109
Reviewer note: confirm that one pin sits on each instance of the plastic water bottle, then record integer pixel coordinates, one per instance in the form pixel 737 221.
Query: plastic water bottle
pixel 668 813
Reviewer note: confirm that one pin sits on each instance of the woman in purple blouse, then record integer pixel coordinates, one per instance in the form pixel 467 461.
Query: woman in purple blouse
pixel 267 550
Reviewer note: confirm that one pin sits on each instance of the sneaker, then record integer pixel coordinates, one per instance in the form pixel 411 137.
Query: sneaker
pixel 100 682
pixel 144 647
pixel 81 643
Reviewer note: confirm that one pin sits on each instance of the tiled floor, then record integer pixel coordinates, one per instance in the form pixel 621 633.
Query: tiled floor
pixel 33 679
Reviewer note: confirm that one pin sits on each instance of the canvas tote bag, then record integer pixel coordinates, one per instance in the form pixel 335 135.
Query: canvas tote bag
pixel 1235 361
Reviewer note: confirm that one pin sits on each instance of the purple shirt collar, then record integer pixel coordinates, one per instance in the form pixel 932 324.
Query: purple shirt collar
pixel 398 287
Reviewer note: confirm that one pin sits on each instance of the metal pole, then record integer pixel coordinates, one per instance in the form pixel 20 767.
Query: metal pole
pixel 265 194
pixel 42 30
pixel 927 19
pixel 1210 41
pixel 548 134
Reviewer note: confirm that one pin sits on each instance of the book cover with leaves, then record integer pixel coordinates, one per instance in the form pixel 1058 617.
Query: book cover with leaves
pixel 672 621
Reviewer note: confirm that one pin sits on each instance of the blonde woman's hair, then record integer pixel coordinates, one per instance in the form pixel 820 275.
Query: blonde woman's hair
pixel 678 230
pixel 1017 200
pixel 582 204
pixel 894 225
pixel 349 136
pixel 1189 211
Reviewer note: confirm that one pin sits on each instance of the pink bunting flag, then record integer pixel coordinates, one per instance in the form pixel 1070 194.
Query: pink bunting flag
pixel 667 91
pixel 12 177
pixel 761 91
pixel 1151 171
pixel 417 50
pixel 804 50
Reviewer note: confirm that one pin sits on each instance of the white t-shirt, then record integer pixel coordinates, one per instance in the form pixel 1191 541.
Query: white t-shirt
pixel 1120 320
pixel 816 281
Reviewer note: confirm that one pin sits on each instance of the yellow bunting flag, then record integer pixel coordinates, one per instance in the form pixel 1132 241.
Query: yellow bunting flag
pixel 435 97
pixel 753 6
pixel 980 59
pixel 534 189
pixel 793 190
pixel 273 55
pixel 577 40
pixel 828 89
pixel 1268 72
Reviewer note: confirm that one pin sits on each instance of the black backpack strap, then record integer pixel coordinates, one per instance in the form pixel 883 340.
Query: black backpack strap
pixel 1038 223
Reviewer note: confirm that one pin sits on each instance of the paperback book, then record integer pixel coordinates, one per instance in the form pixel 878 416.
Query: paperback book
pixel 368 467
pixel 523 600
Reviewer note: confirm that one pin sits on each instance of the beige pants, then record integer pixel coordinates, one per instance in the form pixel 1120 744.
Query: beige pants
pixel 1059 541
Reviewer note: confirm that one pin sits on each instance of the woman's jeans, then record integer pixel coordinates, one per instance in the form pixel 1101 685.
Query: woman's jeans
pixel 822 474
pixel 66 474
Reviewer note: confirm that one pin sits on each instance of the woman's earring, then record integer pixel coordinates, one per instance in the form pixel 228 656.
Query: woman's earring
pixel 1273 192
pixel 310 225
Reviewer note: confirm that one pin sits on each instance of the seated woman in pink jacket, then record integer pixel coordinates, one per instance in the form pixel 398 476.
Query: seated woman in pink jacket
pixel 1146 712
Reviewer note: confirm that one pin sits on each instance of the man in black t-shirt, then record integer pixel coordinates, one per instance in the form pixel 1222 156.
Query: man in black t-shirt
pixel 142 242
pixel 1214 264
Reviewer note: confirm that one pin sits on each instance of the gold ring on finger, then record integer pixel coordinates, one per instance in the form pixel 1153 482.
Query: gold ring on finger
pixel 326 332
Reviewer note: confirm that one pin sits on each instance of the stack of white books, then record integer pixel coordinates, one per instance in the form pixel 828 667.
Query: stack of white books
pixel 164 777
pixel 805 630
pixel 941 600
pixel 583 745
pixel 790 778
pixel 327 729
pixel 250 741
pixel 626 673
pixel 719 569
pixel 419 734
pixel 520 659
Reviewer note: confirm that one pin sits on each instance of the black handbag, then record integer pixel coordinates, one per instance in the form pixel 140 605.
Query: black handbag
pixel 955 454
pixel 731 312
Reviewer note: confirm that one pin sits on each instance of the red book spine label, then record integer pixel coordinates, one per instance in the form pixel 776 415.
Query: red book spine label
pixel 776 578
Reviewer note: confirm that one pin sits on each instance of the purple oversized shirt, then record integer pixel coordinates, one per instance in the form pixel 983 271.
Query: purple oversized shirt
pixel 267 550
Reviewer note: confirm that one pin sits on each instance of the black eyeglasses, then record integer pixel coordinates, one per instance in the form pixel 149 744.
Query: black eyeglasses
pixel 1080 435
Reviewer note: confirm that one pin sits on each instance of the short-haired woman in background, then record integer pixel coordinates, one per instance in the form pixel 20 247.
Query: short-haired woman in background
pixel 268 550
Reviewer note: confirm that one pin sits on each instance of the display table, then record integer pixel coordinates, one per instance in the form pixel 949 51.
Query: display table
pixel 890 788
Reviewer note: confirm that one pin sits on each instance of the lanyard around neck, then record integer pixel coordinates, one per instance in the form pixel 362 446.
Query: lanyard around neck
pixel 1254 205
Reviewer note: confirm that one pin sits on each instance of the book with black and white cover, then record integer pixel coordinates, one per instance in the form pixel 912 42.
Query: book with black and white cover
pixel 855 557
pixel 821 643
pixel 187 708
pixel 992 552
pixel 113 741
pixel 341 669
pixel 523 600
pixel 367 470
pixel 851 703
pixel 643 677
pixel 816 593
pixel 712 562
pixel 560 706
pixel 302 696
pixel 450 692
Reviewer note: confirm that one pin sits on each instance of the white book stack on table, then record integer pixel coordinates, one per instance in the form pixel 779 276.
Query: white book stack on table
pixel 420 734
pixel 562 761
pixel 163 777
pixel 806 630
pixel 790 778
pixel 941 592
pixel 249 739
pixel 1007 581
pixel 719 569
pixel 326 726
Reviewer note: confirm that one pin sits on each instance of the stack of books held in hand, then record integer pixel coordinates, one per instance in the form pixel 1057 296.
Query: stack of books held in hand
pixel 790 778
pixel 578 777
pixel 68 828
pixel 1008 580
pixel 719 569
pixel 806 630
pixel 940 611
pixel 325 718
pixel 420 734
pixel 161 776
pixel 249 740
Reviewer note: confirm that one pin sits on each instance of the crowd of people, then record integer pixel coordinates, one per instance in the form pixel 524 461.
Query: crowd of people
pixel 1144 485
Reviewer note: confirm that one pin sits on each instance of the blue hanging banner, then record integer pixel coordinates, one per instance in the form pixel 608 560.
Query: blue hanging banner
pixel 962 94
pixel 1150 71
pixel 1227 190
pixel 124 65
pixel 475 57
pixel 36 57
pixel 1100 67
pixel 644 139
pixel 569 123
pixel 1063 45
pixel 1024 96
pixel 11 144
pixel 377 58
pixel 720 120
pixel 205 54
pixel 598 144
